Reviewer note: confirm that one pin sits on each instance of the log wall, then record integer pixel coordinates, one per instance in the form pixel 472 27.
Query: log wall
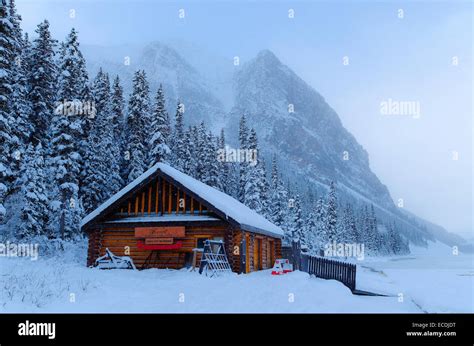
pixel 122 242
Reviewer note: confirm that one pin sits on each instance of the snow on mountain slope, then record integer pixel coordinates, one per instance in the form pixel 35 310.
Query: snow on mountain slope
pixel 164 65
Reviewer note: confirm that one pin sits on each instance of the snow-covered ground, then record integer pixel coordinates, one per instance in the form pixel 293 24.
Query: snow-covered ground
pixel 430 280
pixel 434 278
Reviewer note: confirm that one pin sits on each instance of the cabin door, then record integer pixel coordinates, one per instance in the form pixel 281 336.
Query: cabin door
pixel 271 254
pixel 257 254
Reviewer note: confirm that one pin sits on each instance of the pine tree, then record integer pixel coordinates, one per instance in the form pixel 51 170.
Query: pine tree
pixel 223 165
pixel 7 139
pixel 73 94
pixel 189 151
pixel 255 180
pixel 199 139
pixel 66 135
pixel 211 167
pixel 331 214
pixel 102 169
pixel 278 196
pixel 349 232
pixel 19 103
pixel 33 216
pixel 295 230
pixel 42 81
pixel 179 147
pixel 243 141
pixel 160 131
pixel 138 121
pixel 73 79
pixel 119 126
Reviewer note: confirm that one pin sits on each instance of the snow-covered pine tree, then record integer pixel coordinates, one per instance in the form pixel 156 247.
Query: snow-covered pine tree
pixel 331 214
pixel 265 188
pixel 73 93
pixel 34 194
pixel 102 169
pixel 278 199
pixel 72 78
pixel 295 228
pixel 376 236
pixel 243 141
pixel 368 231
pixel 320 215
pixel 65 133
pixel 178 140
pixel 255 186
pixel 211 167
pixel 7 140
pixel 138 122
pixel 349 232
pixel 159 131
pixel 223 165
pixel 19 103
pixel 42 81
pixel 188 152
pixel 119 125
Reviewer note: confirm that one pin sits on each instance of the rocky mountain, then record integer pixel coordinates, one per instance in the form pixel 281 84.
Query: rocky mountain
pixel 295 121
pixel 291 118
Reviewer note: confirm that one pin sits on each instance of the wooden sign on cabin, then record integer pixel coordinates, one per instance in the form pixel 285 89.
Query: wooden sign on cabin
pixel 158 241
pixel 160 232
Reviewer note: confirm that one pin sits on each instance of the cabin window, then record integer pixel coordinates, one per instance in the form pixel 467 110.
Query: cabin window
pixel 200 242
pixel 201 239
pixel 214 248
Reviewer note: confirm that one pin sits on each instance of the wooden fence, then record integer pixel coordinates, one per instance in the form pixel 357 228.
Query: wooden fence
pixel 329 269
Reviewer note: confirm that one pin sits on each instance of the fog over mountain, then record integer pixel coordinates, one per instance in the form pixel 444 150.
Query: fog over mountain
pixel 291 118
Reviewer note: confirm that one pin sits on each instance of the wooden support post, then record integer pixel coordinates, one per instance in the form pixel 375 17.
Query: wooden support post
pixel 163 195
pixel 177 201
pixel 184 202
pixel 150 190
pixel 158 196
pixel 170 198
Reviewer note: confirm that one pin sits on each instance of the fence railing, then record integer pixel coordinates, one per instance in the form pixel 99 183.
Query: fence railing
pixel 329 269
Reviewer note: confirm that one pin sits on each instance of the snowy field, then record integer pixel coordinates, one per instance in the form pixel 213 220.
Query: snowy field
pixel 430 280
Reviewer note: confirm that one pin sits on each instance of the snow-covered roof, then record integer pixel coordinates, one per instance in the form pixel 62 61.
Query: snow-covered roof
pixel 226 205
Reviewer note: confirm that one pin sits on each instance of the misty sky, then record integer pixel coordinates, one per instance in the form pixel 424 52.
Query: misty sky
pixel 403 59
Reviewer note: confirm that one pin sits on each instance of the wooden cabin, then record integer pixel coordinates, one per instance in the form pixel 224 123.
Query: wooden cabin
pixel 163 217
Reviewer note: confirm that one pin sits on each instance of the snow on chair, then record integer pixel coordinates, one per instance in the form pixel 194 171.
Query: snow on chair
pixel 111 261
pixel 214 260
pixel 282 266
